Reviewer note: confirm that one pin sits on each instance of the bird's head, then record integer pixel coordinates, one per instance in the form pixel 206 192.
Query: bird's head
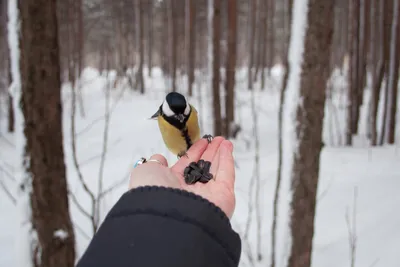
pixel 175 107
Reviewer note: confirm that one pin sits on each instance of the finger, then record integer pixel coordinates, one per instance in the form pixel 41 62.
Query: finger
pixel 226 167
pixel 212 149
pixel 215 163
pixel 192 155
pixel 157 158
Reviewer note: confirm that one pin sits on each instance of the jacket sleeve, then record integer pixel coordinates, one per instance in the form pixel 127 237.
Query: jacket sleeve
pixel 156 226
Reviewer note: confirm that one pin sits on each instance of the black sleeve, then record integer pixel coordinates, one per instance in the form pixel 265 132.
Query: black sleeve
pixel 160 227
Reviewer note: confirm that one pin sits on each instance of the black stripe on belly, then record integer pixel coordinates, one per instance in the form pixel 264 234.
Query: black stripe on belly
pixel 185 135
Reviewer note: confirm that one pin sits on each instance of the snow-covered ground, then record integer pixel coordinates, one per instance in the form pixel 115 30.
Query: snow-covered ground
pixel 373 172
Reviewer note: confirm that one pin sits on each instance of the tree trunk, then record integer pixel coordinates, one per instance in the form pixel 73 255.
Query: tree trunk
pixel 352 104
pixel 191 44
pixel 139 77
pixel 80 38
pixel 150 39
pixel 270 36
pixel 313 76
pixel 173 44
pixel 216 68
pixel 11 116
pixel 42 110
pixel 393 74
pixel 231 67
pixel 165 35
pixel 253 4
pixel 362 57
pixel 387 17
pixel 264 43
pixel 280 131
pixel 374 60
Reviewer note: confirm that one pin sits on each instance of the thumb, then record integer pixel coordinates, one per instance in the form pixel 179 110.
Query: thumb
pixel 157 158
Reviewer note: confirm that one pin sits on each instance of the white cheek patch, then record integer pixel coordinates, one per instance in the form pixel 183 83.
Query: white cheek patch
pixel 167 110
pixel 187 109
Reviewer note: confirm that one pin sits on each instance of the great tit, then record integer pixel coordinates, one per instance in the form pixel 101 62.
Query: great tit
pixel 178 123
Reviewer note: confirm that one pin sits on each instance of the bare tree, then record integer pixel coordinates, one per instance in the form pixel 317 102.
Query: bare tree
pixel 393 74
pixel 11 116
pixel 378 67
pixel 353 81
pixel 280 137
pixel 41 98
pixel 252 25
pixel 150 33
pixel 172 18
pixel 191 48
pixel 216 68
pixel 309 115
pixel 231 68
pixel 140 36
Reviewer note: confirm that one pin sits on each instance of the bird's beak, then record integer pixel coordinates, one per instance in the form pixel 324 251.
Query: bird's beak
pixel 155 115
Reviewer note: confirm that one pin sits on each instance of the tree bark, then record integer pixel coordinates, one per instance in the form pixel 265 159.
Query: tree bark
pixel 393 74
pixel 191 44
pixel 270 36
pixel 140 36
pixel 173 43
pixel 231 67
pixel 42 110
pixel 216 68
pixel 253 4
pixel 352 96
pixel 309 115
pixel 11 116
pixel 280 131
pixel 387 17
pixel 150 34
pixel 264 43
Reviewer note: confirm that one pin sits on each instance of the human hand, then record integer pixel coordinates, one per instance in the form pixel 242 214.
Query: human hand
pixel 219 190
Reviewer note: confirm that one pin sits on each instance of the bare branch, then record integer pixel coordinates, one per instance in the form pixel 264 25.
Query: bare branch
pixel 111 188
pixel 79 206
pixel 83 233
pixel 8 174
pixel 352 231
pixel 76 163
pixel 8 142
pixel 8 193
pixel 107 116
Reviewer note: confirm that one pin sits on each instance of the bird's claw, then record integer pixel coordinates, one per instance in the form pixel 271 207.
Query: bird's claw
pixel 182 154
pixel 209 137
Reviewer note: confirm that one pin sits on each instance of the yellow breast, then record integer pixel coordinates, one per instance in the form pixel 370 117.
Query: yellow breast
pixel 172 136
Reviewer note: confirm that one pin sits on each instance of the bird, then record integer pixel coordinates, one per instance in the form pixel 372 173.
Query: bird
pixel 178 123
pixel 179 126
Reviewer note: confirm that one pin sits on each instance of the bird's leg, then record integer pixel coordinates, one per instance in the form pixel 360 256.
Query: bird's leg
pixel 181 154
pixel 209 137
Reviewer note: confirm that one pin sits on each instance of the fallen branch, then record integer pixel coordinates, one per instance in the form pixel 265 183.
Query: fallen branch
pixel 352 231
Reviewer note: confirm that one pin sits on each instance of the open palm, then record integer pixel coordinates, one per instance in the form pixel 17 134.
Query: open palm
pixel 219 190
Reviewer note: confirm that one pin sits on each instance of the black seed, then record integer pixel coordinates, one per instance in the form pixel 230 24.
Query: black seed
pixel 207 167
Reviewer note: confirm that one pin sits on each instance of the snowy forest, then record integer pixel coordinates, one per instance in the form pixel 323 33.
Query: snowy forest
pixel 306 90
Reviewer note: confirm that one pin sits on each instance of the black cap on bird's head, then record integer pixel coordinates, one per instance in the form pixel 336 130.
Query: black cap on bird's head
pixel 175 106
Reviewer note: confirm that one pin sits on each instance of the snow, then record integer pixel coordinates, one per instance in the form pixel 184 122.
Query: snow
pixel 24 235
pixel 292 102
pixel 373 170
pixel 61 234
